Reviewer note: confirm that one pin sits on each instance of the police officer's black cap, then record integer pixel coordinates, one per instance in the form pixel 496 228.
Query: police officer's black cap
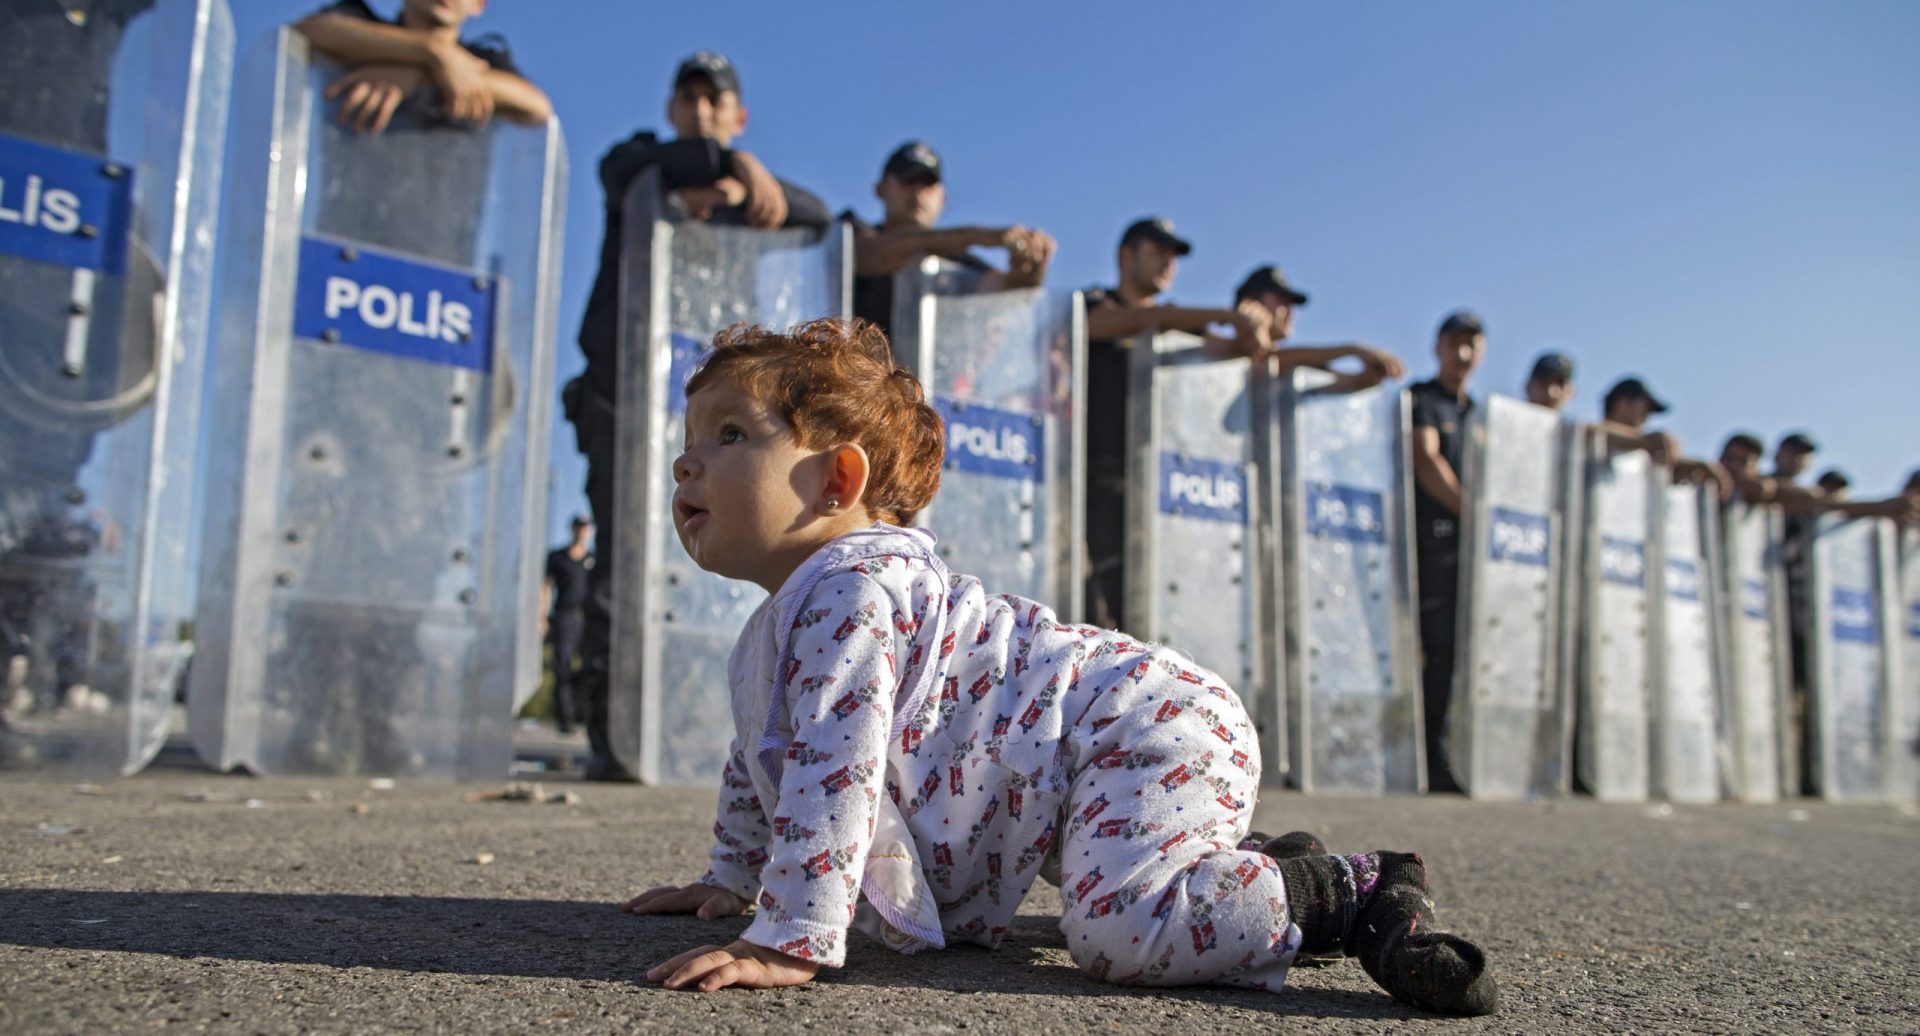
pixel 1833 478
pixel 1159 230
pixel 1634 388
pixel 1269 279
pixel 1463 322
pixel 1799 441
pixel 1552 367
pixel 711 64
pixel 913 160
pixel 581 521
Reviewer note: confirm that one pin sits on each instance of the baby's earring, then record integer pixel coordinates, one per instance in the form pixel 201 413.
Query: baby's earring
pixel 833 505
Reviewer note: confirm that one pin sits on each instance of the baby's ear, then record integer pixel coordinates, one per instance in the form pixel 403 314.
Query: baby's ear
pixel 848 469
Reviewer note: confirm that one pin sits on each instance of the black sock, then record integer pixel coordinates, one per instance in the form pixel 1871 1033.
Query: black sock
pixel 1326 895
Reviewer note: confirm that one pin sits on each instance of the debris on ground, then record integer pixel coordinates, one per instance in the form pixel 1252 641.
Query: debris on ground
pixel 483 858
pixel 381 784
pixel 526 791
pixel 358 809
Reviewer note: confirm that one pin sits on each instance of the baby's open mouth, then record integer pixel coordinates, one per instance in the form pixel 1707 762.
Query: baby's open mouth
pixel 688 514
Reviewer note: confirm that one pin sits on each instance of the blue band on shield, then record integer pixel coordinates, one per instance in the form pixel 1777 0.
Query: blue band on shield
pixel 1199 487
pixel 349 294
pixel 1346 513
pixel 63 207
pixel 985 440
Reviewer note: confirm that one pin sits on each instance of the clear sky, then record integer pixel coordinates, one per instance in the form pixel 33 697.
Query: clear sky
pixel 1722 196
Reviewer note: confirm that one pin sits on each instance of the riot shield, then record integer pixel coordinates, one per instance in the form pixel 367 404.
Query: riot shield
pixel 1005 371
pixel 1342 579
pixel 111 122
pixel 1849 690
pixel 1620 667
pixel 1190 548
pixel 382 410
pixel 1755 604
pixel 1686 715
pixel 932 275
pixel 1509 722
pixel 1903 765
pixel 670 715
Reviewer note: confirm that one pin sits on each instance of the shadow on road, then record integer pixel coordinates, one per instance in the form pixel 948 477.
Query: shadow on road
pixel 561 939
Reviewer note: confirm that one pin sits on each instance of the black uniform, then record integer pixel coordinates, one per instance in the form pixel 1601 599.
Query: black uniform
pixel 1437 548
pixel 873 296
pixel 566 620
pixel 589 398
pixel 1106 467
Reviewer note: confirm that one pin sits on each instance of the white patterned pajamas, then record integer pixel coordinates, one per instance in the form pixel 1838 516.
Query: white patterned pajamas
pixel 910 752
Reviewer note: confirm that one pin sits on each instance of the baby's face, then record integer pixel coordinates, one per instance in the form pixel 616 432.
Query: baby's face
pixel 745 488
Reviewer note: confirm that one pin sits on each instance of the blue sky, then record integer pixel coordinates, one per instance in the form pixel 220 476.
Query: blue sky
pixel 1722 197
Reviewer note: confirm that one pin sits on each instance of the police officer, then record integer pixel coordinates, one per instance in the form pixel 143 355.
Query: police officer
pixel 913 193
pixel 1441 408
pixel 563 599
pixel 1148 257
pixel 1267 288
pixel 1550 383
pixel 711 180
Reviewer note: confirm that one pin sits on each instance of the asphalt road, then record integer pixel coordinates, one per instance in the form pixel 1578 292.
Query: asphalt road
pixel 231 904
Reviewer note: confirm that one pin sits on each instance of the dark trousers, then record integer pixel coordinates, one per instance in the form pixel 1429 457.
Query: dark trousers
pixel 1439 560
pixel 594 426
pixel 1106 528
pixel 564 628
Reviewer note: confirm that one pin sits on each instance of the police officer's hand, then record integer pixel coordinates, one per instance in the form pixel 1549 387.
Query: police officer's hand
pixel 702 901
pixel 1252 329
pixel 1028 251
pixel 370 94
pixel 766 200
pixel 1660 446
pixel 462 79
pixel 701 202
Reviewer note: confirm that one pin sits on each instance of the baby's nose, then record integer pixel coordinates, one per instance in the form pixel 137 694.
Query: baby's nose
pixel 682 469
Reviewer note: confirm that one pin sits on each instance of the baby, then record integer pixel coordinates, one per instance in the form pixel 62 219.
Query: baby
pixel 911 752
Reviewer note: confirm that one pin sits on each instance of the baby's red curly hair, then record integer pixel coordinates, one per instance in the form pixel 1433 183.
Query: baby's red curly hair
pixel 835 381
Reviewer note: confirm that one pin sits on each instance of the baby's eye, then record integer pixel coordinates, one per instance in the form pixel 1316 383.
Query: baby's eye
pixel 731 434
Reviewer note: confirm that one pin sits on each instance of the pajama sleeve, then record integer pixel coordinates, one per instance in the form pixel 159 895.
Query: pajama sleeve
pixel 740 832
pixel 845 653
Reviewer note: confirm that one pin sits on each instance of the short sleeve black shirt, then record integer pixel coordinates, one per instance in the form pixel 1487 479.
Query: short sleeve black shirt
pixel 1441 410
pixel 569 578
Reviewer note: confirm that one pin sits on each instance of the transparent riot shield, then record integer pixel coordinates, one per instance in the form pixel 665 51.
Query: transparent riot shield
pixel 1510 720
pixel 1620 667
pixel 382 409
pixel 112 117
pixel 1190 545
pixel 930 276
pixel 1342 579
pixel 1754 600
pixel 1005 370
pixel 1903 765
pixel 1686 715
pixel 670 712
pixel 1849 690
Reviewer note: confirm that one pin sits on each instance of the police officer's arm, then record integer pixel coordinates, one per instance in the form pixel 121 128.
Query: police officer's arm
pixel 518 99
pixel 1117 321
pixel 1661 446
pixel 462 77
pixel 1376 365
pixel 878 253
pixel 1706 473
pixel 1432 471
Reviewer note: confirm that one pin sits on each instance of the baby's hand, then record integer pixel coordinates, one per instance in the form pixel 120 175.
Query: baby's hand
pixel 702 901
pixel 741 964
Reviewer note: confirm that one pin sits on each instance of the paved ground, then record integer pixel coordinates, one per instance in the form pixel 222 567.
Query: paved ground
pixel 239 905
